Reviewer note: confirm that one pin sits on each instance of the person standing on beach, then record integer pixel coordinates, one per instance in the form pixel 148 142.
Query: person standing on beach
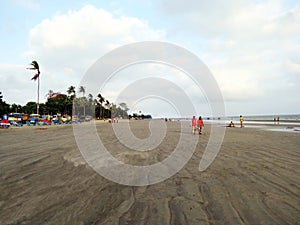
pixel 194 124
pixel 241 120
pixel 200 124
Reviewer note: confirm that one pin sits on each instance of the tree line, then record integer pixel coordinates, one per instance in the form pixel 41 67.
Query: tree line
pixel 66 104
pixel 72 103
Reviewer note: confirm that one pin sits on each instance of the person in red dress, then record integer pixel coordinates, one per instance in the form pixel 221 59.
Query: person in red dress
pixel 194 124
pixel 200 124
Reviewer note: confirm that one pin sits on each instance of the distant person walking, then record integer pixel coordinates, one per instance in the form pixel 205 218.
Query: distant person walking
pixel 200 124
pixel 241 120
pixel 194 124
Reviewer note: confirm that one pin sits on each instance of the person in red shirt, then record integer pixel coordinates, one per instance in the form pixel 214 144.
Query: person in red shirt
pixel 194 124
pixel 200 124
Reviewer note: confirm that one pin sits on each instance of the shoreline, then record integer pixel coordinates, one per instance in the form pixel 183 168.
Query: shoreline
pixel 259 124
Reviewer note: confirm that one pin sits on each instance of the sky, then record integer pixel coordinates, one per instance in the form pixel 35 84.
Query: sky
pixel 251 48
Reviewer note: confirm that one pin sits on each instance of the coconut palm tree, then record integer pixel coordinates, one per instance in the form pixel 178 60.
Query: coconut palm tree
pixel 90 98
pixel 71 91
pixel 82 90
pixel 101 100
pixel 35 66
pixel 108 106
pixel 91 106
pixel 72 95
pixel 124 107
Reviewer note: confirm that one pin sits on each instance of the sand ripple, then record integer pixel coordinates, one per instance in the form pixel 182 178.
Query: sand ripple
pixel 255 179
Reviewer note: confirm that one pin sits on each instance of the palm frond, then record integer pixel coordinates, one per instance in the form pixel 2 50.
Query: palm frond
pixel 35 77
pixel 35 65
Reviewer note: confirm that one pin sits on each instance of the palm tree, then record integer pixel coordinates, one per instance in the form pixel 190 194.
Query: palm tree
pixel 72 95
pixel 101 100
pixel 71 91
pixel 124 107
pixel 91 106
pixel 90 98
pixel 108 105
pixel 35 66
pixel 82 90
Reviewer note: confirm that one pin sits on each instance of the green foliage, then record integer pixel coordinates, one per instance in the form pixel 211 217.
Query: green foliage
pixel 29 108
pixel 58 104
pixel 140 116
pixel 4 107
pixel 35 65
pixel 70 105
pixel 71 91
pixel 16 108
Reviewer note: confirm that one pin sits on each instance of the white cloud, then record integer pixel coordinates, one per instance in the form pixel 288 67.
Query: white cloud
pixel 233 18
pixel 16 84
pixel 89 27
pixel 293 67
pixel 27 4
pixel 244 43
pixel 251 47
pixel 67 44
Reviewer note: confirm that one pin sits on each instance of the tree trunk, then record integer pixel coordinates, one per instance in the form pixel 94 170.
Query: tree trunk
pixel 38 96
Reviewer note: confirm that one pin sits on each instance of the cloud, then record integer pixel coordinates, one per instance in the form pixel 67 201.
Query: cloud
pixel 16 84
pixel 233 18
pixel 251 47
pixel 65 45
pixel 156 80
pixel 89 27
pixel 27 4
pixel 246 44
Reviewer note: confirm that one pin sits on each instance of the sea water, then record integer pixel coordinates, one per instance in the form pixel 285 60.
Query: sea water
pixel 286 123
pixel 289 120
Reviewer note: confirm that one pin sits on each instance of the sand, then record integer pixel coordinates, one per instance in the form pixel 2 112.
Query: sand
pixel 255 179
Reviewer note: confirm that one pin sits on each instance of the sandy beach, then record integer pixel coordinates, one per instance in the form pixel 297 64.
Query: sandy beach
pixel 255 179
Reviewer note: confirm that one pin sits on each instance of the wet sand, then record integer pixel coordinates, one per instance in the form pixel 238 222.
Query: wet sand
pixel 255 179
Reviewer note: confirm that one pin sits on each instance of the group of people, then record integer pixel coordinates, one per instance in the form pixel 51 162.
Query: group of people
pixel 197 124
pixel 231 124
